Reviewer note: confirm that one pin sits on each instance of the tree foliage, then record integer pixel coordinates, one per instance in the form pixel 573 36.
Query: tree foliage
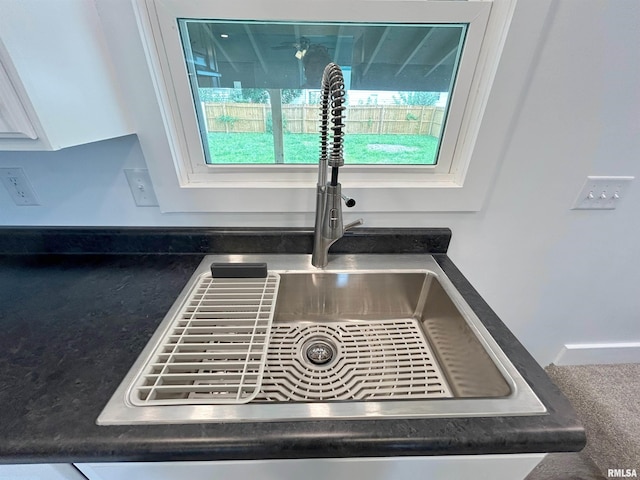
pixel 261 95
pixel 249 95
pixel 236 95
pixel 289 95
pixel 416 98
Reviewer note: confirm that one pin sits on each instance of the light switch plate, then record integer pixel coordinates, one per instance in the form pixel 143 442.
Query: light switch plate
pixel 141 187
pixel 602 193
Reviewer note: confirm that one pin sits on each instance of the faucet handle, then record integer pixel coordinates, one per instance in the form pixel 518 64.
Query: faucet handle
pixel 348 201
pixel 355 223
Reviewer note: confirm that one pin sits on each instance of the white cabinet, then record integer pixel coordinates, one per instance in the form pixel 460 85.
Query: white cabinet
pixel 454 467
pixel 61 471
pixel 57 86
pixel 14 121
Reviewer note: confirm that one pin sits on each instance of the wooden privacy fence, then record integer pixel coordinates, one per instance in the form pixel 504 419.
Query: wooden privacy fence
pixel 360 119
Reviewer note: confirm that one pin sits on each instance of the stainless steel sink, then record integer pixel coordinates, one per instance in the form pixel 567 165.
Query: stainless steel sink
pixel 370 336
pixel 395 313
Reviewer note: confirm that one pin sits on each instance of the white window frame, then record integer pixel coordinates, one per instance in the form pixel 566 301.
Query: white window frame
pixel 290 189
pixel 169 47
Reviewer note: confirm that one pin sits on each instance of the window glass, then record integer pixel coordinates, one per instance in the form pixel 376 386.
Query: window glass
pixel 256 88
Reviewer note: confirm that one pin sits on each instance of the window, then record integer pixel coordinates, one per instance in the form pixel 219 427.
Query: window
pixel 255 88
pixel 235 96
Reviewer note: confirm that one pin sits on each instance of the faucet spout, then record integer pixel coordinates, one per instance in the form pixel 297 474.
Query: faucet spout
pixel 329 226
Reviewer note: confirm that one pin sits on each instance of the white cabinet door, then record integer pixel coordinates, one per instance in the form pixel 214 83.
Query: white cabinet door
pixel 57 84
pixel 14 121
pixel 40 472
pixel 478 467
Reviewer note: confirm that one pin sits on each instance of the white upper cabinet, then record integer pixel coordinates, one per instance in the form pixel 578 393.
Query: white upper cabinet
pixel 14 121
pixel 57 86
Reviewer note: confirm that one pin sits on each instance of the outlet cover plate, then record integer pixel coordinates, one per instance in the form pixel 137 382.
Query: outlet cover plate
pixel 19 186
pixel 602 193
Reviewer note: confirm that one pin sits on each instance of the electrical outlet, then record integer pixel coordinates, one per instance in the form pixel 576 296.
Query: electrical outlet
pixel 18 186
pixel 141 187
pixel 602 193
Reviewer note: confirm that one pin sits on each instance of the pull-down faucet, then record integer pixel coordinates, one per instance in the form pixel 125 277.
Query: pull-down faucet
pixel 329 226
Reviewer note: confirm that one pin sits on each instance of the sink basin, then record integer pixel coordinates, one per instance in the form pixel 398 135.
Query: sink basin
pixel 370 336
pixel 393 334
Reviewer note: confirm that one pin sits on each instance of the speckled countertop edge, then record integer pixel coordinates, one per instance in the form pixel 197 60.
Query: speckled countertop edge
pixel 159 240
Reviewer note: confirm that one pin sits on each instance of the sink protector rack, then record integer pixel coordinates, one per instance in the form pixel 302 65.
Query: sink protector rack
pixel 381 359
pixel 215 349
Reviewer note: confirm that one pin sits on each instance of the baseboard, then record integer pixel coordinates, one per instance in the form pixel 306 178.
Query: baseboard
pixel 598 353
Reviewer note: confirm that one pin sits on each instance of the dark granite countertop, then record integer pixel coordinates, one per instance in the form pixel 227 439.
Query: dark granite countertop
pixel 72 325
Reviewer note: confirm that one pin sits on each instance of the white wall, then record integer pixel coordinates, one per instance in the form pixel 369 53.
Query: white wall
pixel 555 276
pixel 567 276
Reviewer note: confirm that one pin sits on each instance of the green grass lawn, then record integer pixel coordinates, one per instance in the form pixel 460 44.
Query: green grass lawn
pixel 252 148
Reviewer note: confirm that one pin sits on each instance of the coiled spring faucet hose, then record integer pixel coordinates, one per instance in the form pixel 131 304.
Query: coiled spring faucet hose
pixel 332 100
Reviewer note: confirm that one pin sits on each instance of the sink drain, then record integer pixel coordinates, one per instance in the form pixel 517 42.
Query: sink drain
pixel 319 352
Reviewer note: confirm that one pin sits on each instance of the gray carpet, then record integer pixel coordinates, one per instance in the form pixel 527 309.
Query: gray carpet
pixel 566 466
pixel 607 400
